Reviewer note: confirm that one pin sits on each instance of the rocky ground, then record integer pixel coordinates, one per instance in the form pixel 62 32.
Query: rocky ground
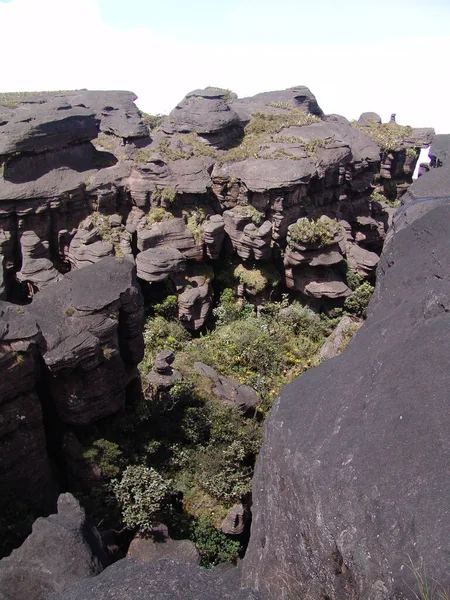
pixel 101 204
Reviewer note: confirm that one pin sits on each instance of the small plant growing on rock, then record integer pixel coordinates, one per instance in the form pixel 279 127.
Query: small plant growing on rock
pixel 168 195
pixel 156 215
pixel 389 136
pixel 153 122
pixel 69 312
pixel 194 221
pixel 257 278
pixel 107 353
pixel 251 212
pixel 141 493
pixel 320 233
pixel 358 302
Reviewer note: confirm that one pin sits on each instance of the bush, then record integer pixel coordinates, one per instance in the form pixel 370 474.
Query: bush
pixel 141 493
pixel 320 232
pixel 357 303
pixel 214 547
pixel 106 455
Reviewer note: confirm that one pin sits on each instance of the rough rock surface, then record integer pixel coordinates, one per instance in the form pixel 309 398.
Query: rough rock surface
pixel 62 549
pixel 350 486
pixel 339 339
pixel 146 550
pixel 161 580
pixel 92 339
pixel 228 390
pixel 440 150
pixel 24 466
pixel 236 519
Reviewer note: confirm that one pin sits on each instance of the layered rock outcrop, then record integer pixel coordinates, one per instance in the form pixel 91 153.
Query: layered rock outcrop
pixel 350 493
pixel 74 350
pixel 84 178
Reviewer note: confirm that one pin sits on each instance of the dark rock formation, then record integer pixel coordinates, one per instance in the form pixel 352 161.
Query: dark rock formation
pixel 71 160
pixel 440 150
pixel 92 339
pixel 62 549
pixel 161 580
pixel 350 488
pixel 24 465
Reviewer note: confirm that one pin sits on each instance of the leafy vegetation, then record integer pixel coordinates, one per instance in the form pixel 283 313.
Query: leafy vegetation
pixel 153 122
pixel 389 136
pixel 358 302
pixel 261 129
pixel 194 221
pixel 183 457
pixel 251 212
pixel 257 277
pixel 321 232
pixel 156 215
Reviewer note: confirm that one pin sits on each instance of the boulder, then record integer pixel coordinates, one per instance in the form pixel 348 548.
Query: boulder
pixel 230 391
pixel 157 264
pixel 61 550
pixel 339 339
pixel 164 579
pixel 147 550
pixel 366 118
pixel 202 111
pixel 236 519
pixel 349 491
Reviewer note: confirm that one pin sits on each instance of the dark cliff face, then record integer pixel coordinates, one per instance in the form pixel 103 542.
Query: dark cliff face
pixel 74 350
pixel 351 492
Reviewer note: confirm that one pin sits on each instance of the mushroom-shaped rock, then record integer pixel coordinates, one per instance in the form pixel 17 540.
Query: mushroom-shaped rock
pixel 37 268
pixel 157 264
pixel 163 362
pixel 194 305
pixel 361 260
pixel 163 376
pixel 213 235
pixel 202 111
pixel 236 519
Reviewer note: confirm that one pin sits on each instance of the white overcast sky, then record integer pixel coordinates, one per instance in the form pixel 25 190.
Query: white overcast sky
pixel 354 55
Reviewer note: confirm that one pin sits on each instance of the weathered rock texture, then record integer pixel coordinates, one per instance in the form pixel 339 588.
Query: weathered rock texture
pixel 82 178
pixel 24 466
pixel 74 348
pixel 62 549
pixel 351 487
pixel 161 580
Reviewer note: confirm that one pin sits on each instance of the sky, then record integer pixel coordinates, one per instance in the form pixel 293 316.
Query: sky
pixel 355 55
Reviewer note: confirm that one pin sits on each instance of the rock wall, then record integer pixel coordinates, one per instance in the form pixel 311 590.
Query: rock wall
pixel 350 491
pixel 82 177
pixel 74 350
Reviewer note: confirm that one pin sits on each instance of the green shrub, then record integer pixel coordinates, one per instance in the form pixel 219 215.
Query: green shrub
pixel 214 547
pixel 354 279
pixel 141 493
pixel 195 218
pixel 251 212
pixel 257 277
pixel 357 303
pixel 153 122
pixel 168 308
pixel 320 232
pixel 107 456
pixel 156 215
